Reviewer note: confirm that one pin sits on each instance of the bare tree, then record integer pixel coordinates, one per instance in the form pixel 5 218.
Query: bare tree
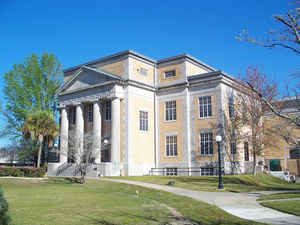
pixel 82 154
pixel 293 119
pixel 288 36
pixel 253 107
pixel 232 129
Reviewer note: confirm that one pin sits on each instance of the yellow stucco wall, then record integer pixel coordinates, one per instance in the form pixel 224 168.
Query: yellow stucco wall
pixel 142 142
pixel 117 68
pixel 171 127
pixel 192 69
pixel 274 145
pixel 163 69
pixel 136 66
pixel 293 166
pixel 202 124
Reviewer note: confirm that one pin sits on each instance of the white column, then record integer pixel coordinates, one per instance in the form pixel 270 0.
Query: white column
pixel 115 130
pixel 64 132
pixel 79 129
pixel 97 131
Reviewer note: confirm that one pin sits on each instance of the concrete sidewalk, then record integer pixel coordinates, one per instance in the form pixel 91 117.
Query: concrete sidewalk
pixel 243 205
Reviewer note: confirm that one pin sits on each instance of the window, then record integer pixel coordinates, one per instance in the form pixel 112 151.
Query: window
pixel 170 73
pixel 246 151
pixel 231 107
pixel 105 154
pixel 233 148
pixel 108 110
pixel 205 107
pixel 143 71
pixel 171 171
pixel 171 110
pixel 90 113
pixel 206 144
pixel 207 171
pixel 171 145
pixel 73 115
pixel 245 114
pixel 143 120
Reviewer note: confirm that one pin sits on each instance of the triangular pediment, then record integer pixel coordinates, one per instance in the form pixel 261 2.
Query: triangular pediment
pixel 87 77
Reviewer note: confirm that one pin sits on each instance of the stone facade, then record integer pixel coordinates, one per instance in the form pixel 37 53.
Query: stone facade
pixel 123 100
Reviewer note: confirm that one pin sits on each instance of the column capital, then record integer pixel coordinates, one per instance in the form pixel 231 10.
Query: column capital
pixel 60 107
pixel 77 104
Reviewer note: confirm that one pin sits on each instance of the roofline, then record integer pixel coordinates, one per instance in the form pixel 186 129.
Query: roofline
pixel 186 56
pixel 106 58
pixel 133 53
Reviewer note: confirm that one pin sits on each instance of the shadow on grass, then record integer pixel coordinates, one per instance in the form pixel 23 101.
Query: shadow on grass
pixel 241 182
pixel 159 220
pixel 125 215
pixel 64 180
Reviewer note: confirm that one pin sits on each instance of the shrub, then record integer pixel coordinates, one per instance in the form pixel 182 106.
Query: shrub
pixel 22 172
pixel 4 218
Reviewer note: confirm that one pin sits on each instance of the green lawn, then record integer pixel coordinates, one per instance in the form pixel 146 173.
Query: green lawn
pixel 289 206
pixel 237 183
pixel 280 196
pixel 61 201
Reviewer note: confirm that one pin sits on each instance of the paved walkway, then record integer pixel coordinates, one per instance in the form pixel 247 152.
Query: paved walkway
pixel 243 205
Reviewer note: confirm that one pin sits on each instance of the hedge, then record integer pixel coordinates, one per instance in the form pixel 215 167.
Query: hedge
pixel 22 172
pixel 4 218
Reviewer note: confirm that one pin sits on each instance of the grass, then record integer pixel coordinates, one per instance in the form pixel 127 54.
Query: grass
pixel 237 183
pixel 61 201
pixel 280 196
pixel 290 206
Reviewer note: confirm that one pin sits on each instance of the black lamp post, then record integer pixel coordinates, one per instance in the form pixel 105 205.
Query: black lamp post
pixel 219 140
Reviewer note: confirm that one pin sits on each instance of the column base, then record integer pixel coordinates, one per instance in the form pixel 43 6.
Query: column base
pixel 94 170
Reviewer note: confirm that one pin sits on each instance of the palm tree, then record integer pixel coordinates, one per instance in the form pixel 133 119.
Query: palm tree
pixel 40 124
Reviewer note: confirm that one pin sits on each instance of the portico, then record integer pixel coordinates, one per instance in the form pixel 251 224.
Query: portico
pixel 95 128
pixel 93 110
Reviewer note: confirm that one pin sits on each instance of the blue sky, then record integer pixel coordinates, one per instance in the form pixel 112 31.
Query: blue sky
pixel 79 31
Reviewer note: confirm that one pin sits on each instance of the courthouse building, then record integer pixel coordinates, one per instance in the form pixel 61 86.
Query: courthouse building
pixel 150 115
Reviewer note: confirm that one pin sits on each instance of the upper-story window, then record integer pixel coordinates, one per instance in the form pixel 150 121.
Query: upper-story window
pixel 143 120
pixel 108 110
pixel 231 107
pixel 206 144
pixel 170 73
pixel 171 110
pixel 171 145
pixel 143 71
pixel 205 109
pixel 90 113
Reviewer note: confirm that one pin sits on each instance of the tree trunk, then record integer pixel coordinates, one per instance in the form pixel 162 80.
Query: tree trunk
pixel 82 179
pixel 254 163
pixel 40 150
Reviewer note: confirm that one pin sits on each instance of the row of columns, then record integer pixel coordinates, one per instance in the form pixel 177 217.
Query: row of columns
pixel 96 139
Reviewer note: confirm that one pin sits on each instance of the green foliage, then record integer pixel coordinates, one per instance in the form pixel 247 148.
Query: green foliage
pixel 38 125
pixel 28 86
pixel 22 172
pixel 4 218
pixel 40 122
